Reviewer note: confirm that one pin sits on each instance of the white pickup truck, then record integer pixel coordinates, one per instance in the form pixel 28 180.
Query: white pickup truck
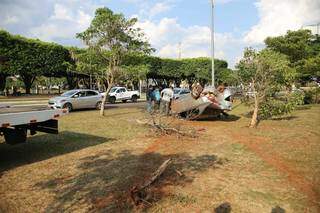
pixel 122 94
pixel 15 121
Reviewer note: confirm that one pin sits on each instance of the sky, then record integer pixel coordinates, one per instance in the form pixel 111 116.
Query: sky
pixel 166 23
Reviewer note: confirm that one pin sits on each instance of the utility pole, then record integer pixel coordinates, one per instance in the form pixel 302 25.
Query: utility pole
pixel 212 42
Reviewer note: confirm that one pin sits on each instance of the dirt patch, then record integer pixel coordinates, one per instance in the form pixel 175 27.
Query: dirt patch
pixel 259 145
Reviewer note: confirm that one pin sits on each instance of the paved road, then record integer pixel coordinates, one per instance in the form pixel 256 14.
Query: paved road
pixel 29 106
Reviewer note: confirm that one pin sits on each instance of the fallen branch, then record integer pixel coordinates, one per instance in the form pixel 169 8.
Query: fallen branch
pixel 164 128
pixel 138 194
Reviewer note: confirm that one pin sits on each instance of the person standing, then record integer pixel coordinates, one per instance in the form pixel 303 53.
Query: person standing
pixel 157 97
pixel 149 99
pixel 166 98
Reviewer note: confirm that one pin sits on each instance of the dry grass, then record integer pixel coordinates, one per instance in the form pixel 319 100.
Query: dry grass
pixel 93 163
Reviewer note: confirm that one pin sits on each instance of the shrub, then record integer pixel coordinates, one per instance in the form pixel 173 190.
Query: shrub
pixel 312 96
pixel 275 107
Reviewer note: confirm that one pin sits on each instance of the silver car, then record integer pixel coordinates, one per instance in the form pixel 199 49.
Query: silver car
pixel 77 99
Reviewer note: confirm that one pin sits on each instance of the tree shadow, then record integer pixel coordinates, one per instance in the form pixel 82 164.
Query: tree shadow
pixel 285 118
pixel 41 147
pixel 228 118
pixel 105 180
pixel 223 208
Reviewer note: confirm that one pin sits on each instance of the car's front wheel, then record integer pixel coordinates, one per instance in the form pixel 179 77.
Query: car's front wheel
pixel 112 100
pixel 68 106
pixel 134 98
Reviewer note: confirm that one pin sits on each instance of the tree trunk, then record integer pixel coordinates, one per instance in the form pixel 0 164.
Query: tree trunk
pixel 254 119
pixel 104 100
pixel 72 81
pixel 2 82
pixel 28 81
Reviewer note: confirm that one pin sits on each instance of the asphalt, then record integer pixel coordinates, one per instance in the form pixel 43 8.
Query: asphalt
pixel 25 106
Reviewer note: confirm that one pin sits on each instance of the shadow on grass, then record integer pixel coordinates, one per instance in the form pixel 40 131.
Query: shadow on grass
pixel 104 181
pixel 286 118
pixel 303 107
pixel 223 118
pixel 41 147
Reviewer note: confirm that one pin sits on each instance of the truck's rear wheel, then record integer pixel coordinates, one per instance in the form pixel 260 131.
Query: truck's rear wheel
pixel 68 106
pixel 112 100
pixel 15 136
pixel 134 98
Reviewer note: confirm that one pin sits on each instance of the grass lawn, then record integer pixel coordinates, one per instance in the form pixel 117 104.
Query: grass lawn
pixel 94 162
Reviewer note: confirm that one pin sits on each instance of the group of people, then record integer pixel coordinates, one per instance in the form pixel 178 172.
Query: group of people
pixel 159 99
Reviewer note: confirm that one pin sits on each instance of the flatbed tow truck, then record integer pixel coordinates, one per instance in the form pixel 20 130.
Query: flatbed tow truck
pixel 16 121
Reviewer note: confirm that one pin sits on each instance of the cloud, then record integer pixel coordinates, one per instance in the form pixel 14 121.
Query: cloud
pixel 166 34
pixel 49 20
pixel 149 10
pixel 276 17
pixel 59 21
pixel 159 7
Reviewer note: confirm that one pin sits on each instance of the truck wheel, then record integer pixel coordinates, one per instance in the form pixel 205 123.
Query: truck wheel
pixel 68 106
pixel 98 105
pixel 15 136
pixel 124 101
pixel 112 100
pixel 134 98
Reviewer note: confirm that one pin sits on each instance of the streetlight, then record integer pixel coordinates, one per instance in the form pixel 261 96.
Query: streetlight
pixel 212 42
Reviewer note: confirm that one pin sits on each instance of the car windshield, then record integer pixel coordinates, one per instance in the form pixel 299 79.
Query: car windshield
pixel 68 93
pixel 113 89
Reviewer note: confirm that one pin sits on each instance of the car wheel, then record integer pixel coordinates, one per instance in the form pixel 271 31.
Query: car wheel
pixel 134 98
pixel 68 106
pixel 98 105
pixel 112 100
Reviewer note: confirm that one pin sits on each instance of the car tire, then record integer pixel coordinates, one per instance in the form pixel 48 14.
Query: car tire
pixel 134 98
pixel 68 106
pixel 98 105
pixel 112 100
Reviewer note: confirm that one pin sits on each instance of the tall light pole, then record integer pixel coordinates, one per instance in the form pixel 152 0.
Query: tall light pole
pixel 212 42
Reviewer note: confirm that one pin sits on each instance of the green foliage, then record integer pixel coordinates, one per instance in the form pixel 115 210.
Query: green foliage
pixel 268 70
pixel 265 74
pixel 275 107
pixel 302 49
pixel 133 73
pixel 312 96
pixel 111 37
pixel 30 58
pixel 192 69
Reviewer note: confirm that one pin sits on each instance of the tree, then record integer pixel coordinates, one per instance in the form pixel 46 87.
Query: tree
pixel 114 33
pixel 265 73
pixel 30 58
pixel 302 49
pixel 4 59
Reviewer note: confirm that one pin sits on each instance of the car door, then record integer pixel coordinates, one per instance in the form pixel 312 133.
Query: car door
pixel 78 100
pixel 92 98
pixel 121 94
pixel 126 94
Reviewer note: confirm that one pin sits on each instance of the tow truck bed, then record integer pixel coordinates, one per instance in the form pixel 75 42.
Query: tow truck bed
pixel 15 121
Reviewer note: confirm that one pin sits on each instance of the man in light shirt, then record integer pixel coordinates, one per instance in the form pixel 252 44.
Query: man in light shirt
pixel 166 98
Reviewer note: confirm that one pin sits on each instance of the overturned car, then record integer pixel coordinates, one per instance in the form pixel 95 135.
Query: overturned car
pixel 203 103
